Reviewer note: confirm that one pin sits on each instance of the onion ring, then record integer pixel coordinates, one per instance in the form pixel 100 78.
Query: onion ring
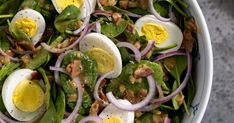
pixel 169 54
pixel 147 49
pixel 91 118
pixel 132 47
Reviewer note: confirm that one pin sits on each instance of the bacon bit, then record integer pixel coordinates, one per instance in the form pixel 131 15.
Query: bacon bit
pixel 95 108
pixel 159 118
pixel 138 114
pixel 74 68
pixel 26 59
pixel 35 75
pixel 142 93
pixel 133 4
pixel 190 30
pixel 143 71
pixel 129 95
pixel 25 45
pixel 179 99
pixel 123 4
pixel 143 4
pixel 132 79
pixel 72 97
pixel 4 60
pixel 131 28
pixel 117 17
pixel 107 2
pixel 137 45
pixel 170 62
pixel 122 88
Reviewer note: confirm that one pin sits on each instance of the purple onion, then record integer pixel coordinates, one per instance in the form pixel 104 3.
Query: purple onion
pixel 6 55
pixel 96 119
pixel 132 47
pixel 169 54
pixel 147 49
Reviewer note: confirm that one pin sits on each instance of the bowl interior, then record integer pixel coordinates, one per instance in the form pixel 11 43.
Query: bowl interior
pixel 203 66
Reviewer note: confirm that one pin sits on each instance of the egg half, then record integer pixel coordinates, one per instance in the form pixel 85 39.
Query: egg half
pixel 23 97
pixel 104 51
pixel 112 114
pixel 163 33
pixel 60 5
pixel 31 22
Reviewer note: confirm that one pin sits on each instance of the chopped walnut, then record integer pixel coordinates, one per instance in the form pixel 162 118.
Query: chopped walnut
pixel 26 59
pixel 67 42
pixel 72 97
pixel 107 2
pixel 129 95
pixel 117 17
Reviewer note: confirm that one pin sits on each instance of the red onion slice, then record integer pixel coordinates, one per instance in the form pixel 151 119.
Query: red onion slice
pixel 11 58
pixel 166 55
pixel 57 64
pixel 155 13
pixel 98 27
pixel 59 69
pixel 139 105
pixel 86 21
pixel 96 119
pixel 74 114
pixel 98 83
pixel 147 49
pixel 167 120
pixel 181 87
pixel 132 47
pixel 57 50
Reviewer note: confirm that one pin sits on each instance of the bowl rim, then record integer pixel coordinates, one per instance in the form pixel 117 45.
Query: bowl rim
pixel 208 58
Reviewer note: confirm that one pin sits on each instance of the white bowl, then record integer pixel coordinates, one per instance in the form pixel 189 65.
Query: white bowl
pixel 203 70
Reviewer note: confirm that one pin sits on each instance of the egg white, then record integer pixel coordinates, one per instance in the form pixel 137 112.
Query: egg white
pixel 83 8
pixel 175 34
pixel 111 110
pixel 97 40
pixel 7 93
pixel 37 17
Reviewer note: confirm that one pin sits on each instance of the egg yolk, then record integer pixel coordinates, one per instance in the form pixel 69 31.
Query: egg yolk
pixel 28 96
pixel 27 25
pixel 105 60
pixel 154 32
pixel 62 4
pixel 112 119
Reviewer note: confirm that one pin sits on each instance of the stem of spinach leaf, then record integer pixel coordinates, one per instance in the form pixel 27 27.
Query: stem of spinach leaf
pixel 6 16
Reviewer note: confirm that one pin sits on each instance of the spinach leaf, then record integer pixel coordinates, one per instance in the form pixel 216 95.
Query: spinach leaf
pixel 50 115
pixel 6 70
pixel 125 55
pixel 47 84
pixel 138 11
pixel 68 20
pixel 4 42
pixel 18 34
pixel 146 118
pixel 162 8
pixel 2 106
pixel 90 72
pixel 158 73
pixel 60 105
pixel 191 91
pixel 113 30
pixel 42 57
pixel 29 4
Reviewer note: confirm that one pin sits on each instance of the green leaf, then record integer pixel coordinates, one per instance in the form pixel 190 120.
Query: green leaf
pixel 113 30
pixel 6 70
pixel 4 42
pixel 2 106
pixel 18 34
pixel 146 118
pixel 125 55
pixel 158 73
pixel 60 105
pixel 41 58
pixel 90 72
pixel 162 8
pixel 47 84
pixel 29 4
pixel 191 91
pixel 68 19
pixel 50 115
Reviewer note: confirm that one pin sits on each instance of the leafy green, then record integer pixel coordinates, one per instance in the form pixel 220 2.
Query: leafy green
pixel 125 55
pixel 90 72
pixel 158 73
pixel 47 84
pixel 2 107
pixel 191 91
pixel 138 11
pixel 4 42
pixel 113 30
pixel 68 20
pixel 60 105
pixel 29 4
pixel 146 118
pixel 42 57
pixel 162 8
pixel 6 70
pixel 50 115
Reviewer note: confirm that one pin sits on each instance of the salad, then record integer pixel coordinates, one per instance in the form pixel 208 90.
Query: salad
pixel 107 61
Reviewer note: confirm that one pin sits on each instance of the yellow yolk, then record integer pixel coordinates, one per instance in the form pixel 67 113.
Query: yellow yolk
pixel 27 25
pixel 112 119
pixel 28 96
pixel 62 4
pixel 154 32
pixel 105 60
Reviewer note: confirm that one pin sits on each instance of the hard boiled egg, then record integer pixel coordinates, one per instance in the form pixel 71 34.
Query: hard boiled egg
pixel 60 5
pixel 112 114
pixel 104 51
pixel 163 33
pixel 23 97
pixel 31 22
